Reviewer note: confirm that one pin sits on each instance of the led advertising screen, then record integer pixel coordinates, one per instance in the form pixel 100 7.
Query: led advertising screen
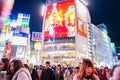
pixel 60 20
pixel 36 36
pixel 82 18
pixel 20 39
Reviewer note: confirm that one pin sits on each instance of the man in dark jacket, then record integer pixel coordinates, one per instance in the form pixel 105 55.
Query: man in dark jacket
pixel 33 72
pixel 47 73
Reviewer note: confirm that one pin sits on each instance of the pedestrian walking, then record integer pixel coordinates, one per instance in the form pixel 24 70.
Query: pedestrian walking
pixel 47 73
pixel 87 71
pixel 18 71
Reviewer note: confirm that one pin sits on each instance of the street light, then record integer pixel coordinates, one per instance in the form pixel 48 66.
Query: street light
pixel 42 9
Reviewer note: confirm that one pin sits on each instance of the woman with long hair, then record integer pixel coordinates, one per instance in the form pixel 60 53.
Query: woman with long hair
pixel 3 68
pixel 4 64
pixel 87 71
pixel 18 71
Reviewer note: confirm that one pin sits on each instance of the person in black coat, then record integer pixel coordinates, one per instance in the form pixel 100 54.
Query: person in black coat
pixel 33 72
pixel 47 73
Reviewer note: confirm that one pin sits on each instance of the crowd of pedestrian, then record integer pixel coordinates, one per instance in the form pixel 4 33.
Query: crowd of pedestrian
pixel 16 70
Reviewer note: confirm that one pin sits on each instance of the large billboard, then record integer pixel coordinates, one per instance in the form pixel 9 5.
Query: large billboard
pixel 20 39
pixel 83 18
pixel 60 20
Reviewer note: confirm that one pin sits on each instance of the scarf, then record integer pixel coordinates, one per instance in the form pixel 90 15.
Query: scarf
pixel 87 77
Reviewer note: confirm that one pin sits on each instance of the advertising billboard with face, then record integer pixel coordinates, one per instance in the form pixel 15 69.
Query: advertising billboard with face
pixel 60 20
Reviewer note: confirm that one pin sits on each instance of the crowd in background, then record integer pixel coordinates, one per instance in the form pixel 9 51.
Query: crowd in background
pixel 16 70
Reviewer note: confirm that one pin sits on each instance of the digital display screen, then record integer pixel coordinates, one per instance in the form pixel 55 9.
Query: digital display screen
pixel 60 20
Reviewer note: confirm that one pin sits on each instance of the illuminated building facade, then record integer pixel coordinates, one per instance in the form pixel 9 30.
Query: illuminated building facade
pixel 103 50
pixel 21 36
pixel 65 29
pixel 114 54
pixel 5 10
pixel 14 37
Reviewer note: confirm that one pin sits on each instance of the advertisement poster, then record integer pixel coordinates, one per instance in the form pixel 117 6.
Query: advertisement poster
pixel 60 20
pixel 20 39
pixel 36 36
pixel 82 18
pixel 20 52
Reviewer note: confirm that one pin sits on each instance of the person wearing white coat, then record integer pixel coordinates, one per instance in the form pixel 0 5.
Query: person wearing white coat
pixel 18 71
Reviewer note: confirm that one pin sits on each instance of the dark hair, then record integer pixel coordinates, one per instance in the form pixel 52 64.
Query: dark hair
pixel 48 62
pixel 86 63
pixel 77 67
pixel 59 66
pixel 6 62
pixel 17 64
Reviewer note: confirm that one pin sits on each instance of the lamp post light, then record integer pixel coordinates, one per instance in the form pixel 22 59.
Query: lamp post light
pixel 42 9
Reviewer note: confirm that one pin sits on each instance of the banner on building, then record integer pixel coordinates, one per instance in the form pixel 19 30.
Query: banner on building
pixel 36 36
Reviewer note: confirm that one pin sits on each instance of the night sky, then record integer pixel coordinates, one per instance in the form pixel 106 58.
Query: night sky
pixel 101 11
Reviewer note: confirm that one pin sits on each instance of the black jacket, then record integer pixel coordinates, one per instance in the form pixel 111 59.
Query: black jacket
pixel 59 76
pixel 47 74
pixel 34 75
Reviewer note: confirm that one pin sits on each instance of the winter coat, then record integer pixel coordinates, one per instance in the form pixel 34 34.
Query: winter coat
pixel 39 72
pixel 34 75
pixel 22 74
pixel 47 74
pixel 59 76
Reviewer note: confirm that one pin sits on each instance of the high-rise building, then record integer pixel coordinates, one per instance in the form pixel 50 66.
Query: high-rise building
pixel 103 52
pixel 65 31
pixel 114 54
pixel 23 20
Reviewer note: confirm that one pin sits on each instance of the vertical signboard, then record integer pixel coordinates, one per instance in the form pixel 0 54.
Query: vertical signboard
pixel 82 15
